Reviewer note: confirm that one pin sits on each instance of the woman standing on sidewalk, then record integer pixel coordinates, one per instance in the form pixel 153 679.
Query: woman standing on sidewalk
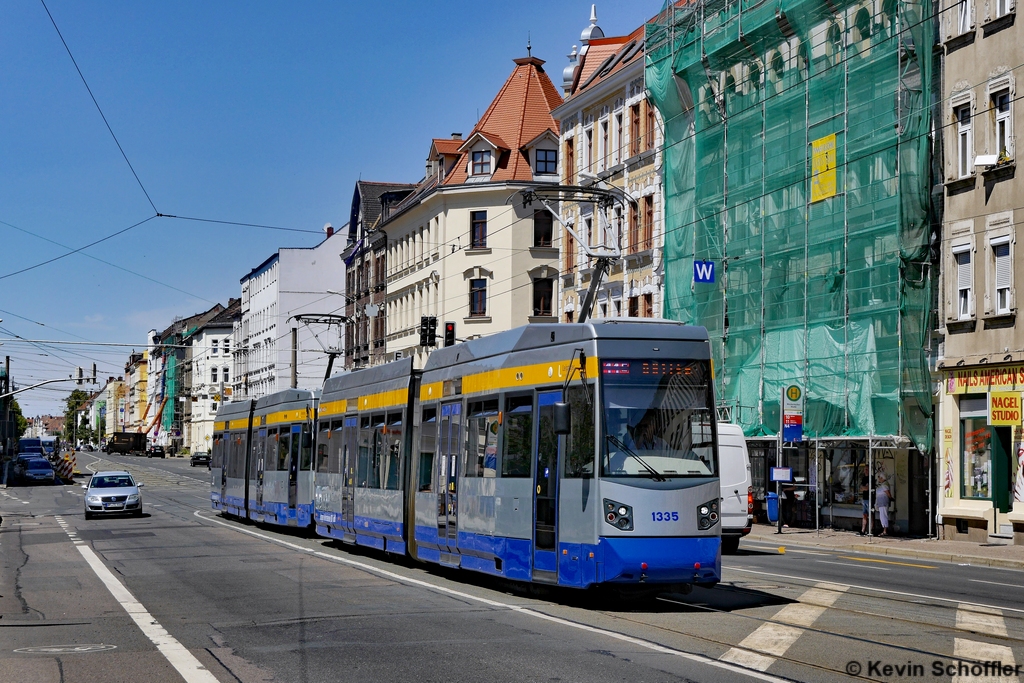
pixel 882 503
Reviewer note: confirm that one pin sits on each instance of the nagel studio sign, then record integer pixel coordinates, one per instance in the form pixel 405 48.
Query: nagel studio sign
pixel 1004 409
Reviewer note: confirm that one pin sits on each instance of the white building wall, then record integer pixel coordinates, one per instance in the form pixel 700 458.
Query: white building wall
pixel 295 282
pixel 208 353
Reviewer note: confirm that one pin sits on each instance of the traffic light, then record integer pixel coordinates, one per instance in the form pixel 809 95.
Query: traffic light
pixel 424 327
pixel 449 334
pixel 78 381
pixel 432 331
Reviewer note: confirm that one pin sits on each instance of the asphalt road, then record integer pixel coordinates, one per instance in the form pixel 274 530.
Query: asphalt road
pixel 183 594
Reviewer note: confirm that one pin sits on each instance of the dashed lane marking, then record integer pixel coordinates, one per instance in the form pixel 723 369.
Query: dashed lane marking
pixel 183 661
pixel 526 611
pixel 901 564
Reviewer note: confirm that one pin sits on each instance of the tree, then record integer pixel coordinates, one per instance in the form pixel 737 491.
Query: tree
pixel 72 405
pixel 20 419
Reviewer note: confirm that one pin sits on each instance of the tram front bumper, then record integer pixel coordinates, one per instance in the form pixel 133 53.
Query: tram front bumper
pixel 660 560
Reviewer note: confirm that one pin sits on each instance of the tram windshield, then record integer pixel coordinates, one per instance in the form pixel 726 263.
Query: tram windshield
pixel 657 419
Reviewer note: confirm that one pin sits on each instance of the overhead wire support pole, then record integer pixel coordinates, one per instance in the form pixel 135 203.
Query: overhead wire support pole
pixel 69 378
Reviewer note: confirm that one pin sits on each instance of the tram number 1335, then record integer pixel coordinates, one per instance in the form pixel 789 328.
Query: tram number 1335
pixel 664 516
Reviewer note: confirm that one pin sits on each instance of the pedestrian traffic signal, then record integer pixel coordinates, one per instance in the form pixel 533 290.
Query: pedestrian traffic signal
pixel 449 334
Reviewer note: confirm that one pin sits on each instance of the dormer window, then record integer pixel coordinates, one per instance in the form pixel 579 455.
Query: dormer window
pixel 547 161
pixel 482 163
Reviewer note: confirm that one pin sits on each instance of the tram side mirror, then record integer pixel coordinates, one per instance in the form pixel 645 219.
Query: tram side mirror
pixel 562 418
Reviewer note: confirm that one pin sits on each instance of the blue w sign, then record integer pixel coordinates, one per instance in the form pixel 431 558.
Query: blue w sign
pixel 703 271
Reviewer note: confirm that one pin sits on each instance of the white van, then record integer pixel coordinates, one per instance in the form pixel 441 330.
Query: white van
pixel 737 491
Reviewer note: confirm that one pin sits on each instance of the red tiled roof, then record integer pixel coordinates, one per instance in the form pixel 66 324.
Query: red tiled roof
pixel 600 49
pixel 447 145
pixel 519 113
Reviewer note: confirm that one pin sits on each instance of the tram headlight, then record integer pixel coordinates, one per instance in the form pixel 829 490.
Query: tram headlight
pixel 707 515
pixel 618 515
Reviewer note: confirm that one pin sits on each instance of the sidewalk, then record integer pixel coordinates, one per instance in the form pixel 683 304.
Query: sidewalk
pixel 959 552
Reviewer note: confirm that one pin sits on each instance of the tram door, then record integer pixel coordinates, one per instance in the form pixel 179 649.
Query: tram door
pixel 545 480
pixel 449 449
pixel 293 466
pixel 348 472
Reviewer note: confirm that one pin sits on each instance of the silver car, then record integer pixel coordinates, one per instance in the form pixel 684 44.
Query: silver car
pixel 112 493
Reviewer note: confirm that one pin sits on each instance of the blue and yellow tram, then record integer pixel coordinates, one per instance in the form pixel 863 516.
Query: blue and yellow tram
pixel 574 455
pixel 262 460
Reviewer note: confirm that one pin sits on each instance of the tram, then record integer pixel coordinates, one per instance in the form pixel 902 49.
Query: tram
pixel 574 455
pixel 262 460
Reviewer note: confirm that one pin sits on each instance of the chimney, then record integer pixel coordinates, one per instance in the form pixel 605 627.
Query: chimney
pixel 456 136
pixel 329 229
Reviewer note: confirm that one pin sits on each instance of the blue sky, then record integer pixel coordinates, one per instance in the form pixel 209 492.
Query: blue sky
pixel 253 112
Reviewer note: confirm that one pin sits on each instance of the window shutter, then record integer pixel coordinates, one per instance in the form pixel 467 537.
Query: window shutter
pixel 1003 275
pixel 964 272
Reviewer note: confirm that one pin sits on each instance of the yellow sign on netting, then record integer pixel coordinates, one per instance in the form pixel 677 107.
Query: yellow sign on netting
pixel 823 168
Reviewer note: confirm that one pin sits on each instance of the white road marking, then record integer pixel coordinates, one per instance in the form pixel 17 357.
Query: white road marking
pixel 988 621
pixel 996 583
pixel 183 661
pixel 982 652
pixel 773 638
pixel 878 590
pixel 646 644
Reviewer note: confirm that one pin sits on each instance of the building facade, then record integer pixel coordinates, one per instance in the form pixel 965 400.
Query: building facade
pixel 272 349
pixel 136 372
pixel 464 248
pixel 797 167
pixel 980 450
pixel 611 136
pixel 365 260
pixel 210 347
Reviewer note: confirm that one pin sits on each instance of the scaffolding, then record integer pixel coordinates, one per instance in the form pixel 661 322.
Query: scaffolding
pixel 797 156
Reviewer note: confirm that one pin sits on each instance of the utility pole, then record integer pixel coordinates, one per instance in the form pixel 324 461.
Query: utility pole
pixel 295 358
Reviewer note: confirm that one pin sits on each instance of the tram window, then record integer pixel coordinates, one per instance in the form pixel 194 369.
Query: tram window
pixel 391 468
pixel 378 439
pixel 333 443
pixel 258 445
pixel 363 467
pixel 579 456
pixel 428 446
pixel 517 444
pixel 270 451
pixel 217 452
pixel 323 443
pixel 284 443
pixel 481 455
pixel 303 443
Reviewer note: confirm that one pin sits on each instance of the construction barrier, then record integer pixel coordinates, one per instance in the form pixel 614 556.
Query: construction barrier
pixel 65 468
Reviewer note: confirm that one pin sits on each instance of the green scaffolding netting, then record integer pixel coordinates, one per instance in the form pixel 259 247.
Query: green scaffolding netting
pixel 827 288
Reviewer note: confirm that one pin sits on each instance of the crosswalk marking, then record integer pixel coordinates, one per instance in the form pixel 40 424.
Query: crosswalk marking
pixel 966 649
pixel 985 620
pixel 776 637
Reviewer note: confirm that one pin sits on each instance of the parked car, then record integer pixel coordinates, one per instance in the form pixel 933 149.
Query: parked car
pixel 18 469
pixel 736 486
pixel 155 452
pixel 38 471
pixel 112 492
pixel 199 458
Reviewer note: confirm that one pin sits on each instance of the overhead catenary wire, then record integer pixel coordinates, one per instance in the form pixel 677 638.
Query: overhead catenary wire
pixel 98 108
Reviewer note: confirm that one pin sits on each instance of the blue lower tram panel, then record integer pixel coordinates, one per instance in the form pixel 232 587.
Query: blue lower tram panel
pixel 618 560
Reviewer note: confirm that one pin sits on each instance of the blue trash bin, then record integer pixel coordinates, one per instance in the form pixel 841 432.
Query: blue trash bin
pixel 773 507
